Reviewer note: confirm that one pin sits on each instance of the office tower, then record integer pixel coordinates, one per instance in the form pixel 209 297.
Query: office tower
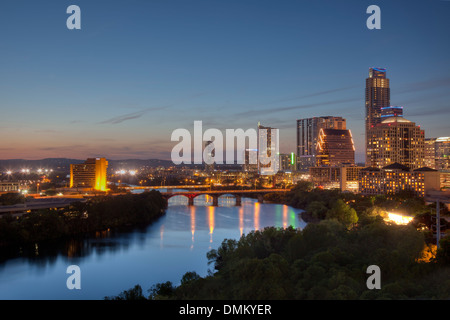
pixel 268 150
pixel 442 151
pixel 287 161
pixel 430 153
pixel 250 160
pixel 307 135
pixel 209 156
pixel 392 111
pixel 90 174
pixel 377 97
pixel 335 148
pixel 396 140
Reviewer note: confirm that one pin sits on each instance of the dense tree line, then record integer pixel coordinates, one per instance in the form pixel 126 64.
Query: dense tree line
pixel 97 214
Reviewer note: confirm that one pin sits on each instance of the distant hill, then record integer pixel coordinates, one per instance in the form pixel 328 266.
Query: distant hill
pixel 64 163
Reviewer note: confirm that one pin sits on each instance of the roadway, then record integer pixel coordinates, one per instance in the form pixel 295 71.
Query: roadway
pixel 37 204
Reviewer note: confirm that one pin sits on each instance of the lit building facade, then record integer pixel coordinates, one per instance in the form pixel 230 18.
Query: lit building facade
pixel 287 162
pixel 442 152
pixel 9 186
pixel 210 154
pixel 396 139
pixel 391 111
pixel 307 137
pixel 377 96
pixel 437 153
pixel 335 148
pixel 90 174
pixel 250 160
pixel 268 150
pixel 344 177
pixel 430 153
pixel 396 178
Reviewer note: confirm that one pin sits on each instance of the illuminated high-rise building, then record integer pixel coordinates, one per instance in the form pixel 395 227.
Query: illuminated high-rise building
pixel 378 96
pixel 396 140
pixel 392 111
pixel 437 153
pixel 268 150
pixel 335 148
pixel 210 154
pixel 307 137
pixel 442 149
pixel 250 160
pixel 430 153
pixel 287 161
pixel 90 174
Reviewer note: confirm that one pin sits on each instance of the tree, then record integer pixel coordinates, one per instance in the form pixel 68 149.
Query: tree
pixel 131 294
pixel 443 253
pixel 317 209
pixel 163 290
pixel 343 213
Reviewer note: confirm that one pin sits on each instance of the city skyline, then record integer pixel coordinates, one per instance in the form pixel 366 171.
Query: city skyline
pixel 119 86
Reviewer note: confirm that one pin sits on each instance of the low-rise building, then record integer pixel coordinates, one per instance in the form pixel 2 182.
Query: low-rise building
pixel 396 178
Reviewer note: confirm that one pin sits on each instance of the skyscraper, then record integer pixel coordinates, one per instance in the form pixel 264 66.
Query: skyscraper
pixel 378 96
pixel 210 154
pixel 392 111
pixel 430 153
pixel 268 150
pixel 307 137
pixel 437 153
pixel 443 153
pixel 396 140
pixel 250 160
pixel 335 148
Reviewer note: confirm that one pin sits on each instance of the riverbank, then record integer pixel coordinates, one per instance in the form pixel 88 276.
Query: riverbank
pixel 98 214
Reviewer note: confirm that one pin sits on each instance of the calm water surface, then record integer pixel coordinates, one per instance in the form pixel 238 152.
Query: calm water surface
pixel 164 251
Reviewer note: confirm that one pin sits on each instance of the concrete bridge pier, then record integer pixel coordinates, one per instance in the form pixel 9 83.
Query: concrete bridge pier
pixel 190 201
pixel 238 200
pixel 260 198
pixel 215 200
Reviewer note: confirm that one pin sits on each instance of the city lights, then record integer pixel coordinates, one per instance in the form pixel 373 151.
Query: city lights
pixel 398 218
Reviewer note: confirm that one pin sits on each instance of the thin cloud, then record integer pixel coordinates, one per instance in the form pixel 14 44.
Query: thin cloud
pixel 424 85
pixel 315 94
pixel 138 114
pixel 297 107
pixel 130 116
pixel 429 111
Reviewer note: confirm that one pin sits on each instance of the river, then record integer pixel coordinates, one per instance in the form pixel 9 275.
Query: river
pixel 112 262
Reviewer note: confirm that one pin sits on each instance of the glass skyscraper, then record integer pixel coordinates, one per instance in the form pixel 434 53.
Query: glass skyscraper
pixel 307 137
pixel 378 96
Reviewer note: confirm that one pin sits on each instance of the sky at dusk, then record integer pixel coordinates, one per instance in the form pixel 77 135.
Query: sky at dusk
pixel 137 70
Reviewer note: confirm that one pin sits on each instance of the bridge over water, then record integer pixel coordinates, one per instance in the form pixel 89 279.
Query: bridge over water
pixel 215 194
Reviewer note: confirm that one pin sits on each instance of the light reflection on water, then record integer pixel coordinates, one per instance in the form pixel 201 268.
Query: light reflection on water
pixel 164 251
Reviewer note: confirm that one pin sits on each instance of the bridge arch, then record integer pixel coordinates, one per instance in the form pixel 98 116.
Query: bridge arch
pixel 215 194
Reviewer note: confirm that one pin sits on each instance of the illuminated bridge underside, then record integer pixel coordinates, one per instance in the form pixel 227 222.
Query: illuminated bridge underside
pixel 238 194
